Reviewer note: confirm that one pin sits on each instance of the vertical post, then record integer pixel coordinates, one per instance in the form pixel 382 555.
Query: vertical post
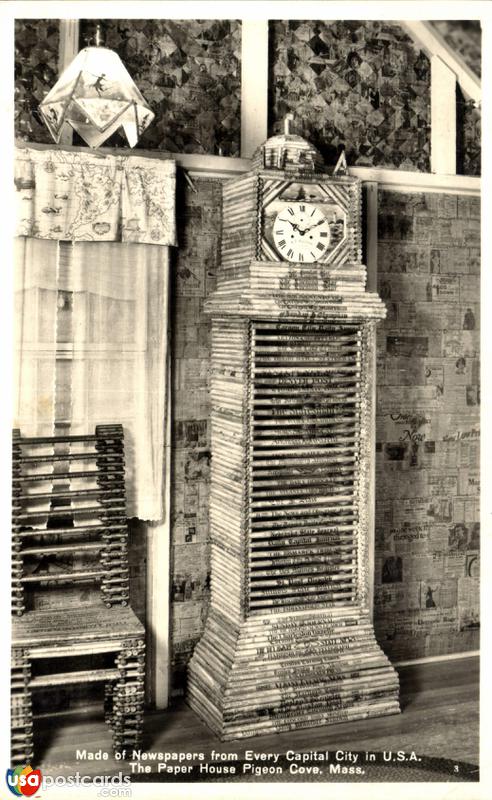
pixel 371 499
pixel 443 118
pixel 69 47
pixel 254 85
pixel 371 234
pixel 158 566
pixel 372 279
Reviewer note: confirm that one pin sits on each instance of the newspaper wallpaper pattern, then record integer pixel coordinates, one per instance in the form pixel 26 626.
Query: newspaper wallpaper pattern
pixel 428 417
pixel 36 70
pixel 469 137
pixel 193 279
pixel 361 85
pixel 189 72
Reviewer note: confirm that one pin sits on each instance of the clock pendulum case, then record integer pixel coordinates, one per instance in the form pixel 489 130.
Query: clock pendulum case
pixel 289 640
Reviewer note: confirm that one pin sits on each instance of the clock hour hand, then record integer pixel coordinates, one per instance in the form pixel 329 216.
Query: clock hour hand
pixel 293 224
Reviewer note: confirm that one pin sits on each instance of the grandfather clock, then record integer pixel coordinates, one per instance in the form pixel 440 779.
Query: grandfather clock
pixel 289 641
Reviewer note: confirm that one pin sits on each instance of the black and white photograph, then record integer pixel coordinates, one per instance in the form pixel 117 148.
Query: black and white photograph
pixel 242 254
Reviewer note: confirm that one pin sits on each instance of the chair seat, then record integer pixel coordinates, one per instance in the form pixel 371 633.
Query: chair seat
pixel 75 626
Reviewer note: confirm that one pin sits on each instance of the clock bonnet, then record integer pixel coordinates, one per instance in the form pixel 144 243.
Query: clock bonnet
pixel 287 152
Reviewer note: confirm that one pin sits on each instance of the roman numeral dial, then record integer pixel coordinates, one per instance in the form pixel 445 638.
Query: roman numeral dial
pixel 301 233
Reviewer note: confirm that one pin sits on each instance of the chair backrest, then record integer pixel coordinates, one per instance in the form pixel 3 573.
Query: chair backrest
pixel 69 524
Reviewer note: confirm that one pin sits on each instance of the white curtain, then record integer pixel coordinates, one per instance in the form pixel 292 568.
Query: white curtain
pixel 119 356
pixel 106 361
pixel 91 316
pixel 35 301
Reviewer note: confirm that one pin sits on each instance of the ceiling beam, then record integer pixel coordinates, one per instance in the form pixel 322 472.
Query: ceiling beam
pixel 433 44
pixel 201 166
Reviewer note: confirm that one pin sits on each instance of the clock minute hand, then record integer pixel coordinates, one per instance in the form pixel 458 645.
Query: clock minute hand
pixel 313 226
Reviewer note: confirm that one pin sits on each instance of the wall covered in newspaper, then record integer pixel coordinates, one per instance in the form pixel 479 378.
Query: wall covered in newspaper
pixel 189 72
pixel 193 279
pixel 36 70
pixel 361 85
pixel 428 414
pixel 469 137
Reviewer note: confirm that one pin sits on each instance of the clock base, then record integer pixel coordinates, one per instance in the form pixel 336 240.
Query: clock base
pixel 283 671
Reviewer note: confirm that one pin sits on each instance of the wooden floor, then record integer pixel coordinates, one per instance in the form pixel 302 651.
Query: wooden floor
pixel 440 718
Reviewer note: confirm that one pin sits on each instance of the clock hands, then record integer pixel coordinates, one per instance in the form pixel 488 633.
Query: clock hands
pixel 297 228
pixel 300 241
pixel 313 226
pixel 293 224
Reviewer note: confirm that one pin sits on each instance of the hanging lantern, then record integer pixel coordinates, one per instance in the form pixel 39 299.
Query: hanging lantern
pixel 96 95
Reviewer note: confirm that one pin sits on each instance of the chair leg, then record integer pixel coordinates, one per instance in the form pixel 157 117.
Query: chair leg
pixel 108 703
pixel 22 751
pixel 128 698
pixel 18 595
pixel 115 583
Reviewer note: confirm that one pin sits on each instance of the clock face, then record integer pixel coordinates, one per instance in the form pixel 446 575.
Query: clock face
pixel 310 223
pixel 301 232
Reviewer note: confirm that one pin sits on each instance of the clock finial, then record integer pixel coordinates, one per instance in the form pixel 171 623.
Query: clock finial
pixel 341 165
pixel 98 37
pixel 287 122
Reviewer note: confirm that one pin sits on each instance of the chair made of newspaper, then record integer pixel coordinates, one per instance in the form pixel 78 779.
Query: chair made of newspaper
pixel 69 532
